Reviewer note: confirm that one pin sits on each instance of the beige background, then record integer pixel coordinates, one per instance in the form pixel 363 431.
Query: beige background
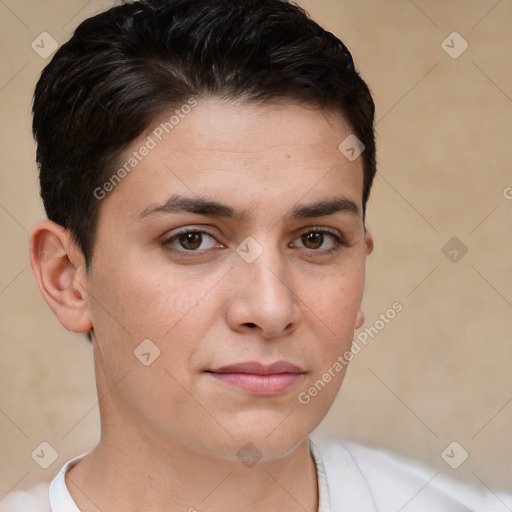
pixel 440 371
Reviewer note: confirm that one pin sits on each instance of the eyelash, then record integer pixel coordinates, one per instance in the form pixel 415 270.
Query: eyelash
pixel 339 241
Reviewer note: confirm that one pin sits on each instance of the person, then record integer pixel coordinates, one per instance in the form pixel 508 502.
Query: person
pixel 205 167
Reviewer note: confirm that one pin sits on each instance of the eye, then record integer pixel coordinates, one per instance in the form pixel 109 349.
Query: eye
pixel 190 241
pixel 321 240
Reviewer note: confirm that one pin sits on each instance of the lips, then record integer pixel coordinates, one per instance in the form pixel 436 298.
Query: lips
pixel 259 368
pixel 259 379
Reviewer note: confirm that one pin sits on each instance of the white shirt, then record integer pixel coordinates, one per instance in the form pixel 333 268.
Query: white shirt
pixel 351 478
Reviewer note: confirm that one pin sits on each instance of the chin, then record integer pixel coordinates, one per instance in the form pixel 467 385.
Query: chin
pixel 262 438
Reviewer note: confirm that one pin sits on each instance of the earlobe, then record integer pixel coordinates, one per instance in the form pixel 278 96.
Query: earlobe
pixel 59 268
pixel 359 319
pixel 368 239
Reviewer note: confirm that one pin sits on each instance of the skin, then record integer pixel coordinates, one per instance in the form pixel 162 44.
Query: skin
pixel 170 431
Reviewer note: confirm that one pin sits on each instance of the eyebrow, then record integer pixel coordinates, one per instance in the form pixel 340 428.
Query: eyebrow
pixel 212 208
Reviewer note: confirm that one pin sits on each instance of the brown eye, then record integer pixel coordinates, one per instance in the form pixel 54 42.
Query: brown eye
pixel 313 240
pixel 190 241
pixel 321 241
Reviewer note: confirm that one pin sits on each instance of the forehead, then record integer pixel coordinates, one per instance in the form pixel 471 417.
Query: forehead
pixel 243 153
pixel 253 129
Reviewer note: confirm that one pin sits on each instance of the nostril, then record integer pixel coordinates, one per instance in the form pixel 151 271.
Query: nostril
pixel 250 324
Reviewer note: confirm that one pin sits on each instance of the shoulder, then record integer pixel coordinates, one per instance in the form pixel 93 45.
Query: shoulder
pixel 35 499
pixel 44 497
pixel 394 482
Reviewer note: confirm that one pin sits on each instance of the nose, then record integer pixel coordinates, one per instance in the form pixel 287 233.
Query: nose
pixel 262 297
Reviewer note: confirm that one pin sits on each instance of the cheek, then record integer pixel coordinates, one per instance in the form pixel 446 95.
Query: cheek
pixel 332 313
pixel 332 316
pixel 335 299
pixel 136 299
pixel 134 302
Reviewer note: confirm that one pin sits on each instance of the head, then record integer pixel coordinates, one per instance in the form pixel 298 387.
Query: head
pixel 201 211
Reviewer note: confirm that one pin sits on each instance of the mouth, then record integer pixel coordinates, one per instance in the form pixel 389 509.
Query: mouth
pixel 259 379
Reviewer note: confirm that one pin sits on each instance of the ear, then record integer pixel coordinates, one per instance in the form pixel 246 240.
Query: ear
pixel 359 319
pixel 368 242
pixel 59 267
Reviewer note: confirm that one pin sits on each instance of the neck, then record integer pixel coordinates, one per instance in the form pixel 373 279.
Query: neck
pixel 123 474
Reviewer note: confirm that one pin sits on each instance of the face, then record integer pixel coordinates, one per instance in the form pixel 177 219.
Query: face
pixel 227 277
